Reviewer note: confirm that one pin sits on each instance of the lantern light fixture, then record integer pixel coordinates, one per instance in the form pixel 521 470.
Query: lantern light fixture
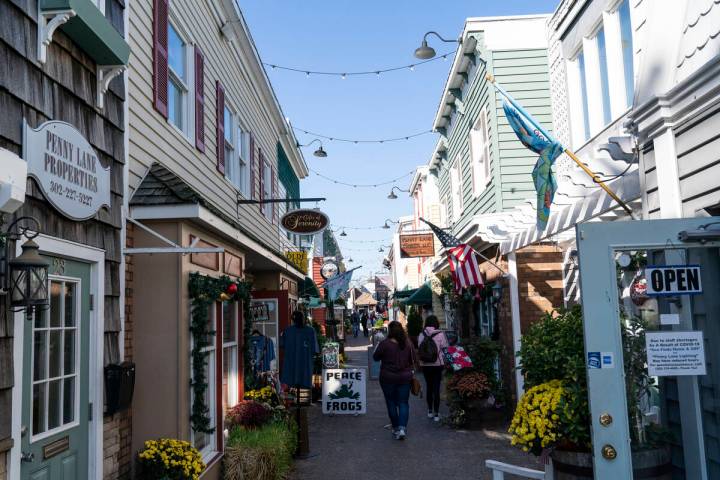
pixel 392 195
pixel 24 278
pixel 496 292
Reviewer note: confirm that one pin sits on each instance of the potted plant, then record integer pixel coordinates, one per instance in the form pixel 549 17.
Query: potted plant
pixel 170 459
pixel 553 415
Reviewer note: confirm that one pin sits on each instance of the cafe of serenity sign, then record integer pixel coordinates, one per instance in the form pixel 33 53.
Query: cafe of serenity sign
pixel 67 169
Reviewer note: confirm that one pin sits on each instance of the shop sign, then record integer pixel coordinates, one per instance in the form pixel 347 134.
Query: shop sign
pixel 305 221
pixel 344 391
pixel 671 353
pixel 67 169
pixel 259 312
pixel 673 280
pixel 331 355
pixel 299 260
pixel 417 245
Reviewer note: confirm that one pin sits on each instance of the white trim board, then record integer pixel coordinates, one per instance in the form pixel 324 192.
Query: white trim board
pixel 96 258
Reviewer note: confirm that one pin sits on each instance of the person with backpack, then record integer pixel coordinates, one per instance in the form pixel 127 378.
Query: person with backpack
pixel 431 341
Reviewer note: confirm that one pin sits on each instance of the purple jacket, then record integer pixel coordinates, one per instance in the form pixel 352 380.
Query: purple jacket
pixel 396 364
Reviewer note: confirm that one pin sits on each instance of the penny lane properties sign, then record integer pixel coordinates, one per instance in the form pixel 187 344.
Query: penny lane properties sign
pixel 67 169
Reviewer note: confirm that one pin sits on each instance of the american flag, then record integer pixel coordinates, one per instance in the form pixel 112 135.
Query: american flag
pixel 464 266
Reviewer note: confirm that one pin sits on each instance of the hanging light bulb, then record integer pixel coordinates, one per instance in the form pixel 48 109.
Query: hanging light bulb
pixel 381 250
pixel 412 68
pixel 343 234
pixel 307 74
pixel 378 74
pixel 343 76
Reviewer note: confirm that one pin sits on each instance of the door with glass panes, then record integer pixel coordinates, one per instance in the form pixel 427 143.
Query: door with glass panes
pixel 651 312
pixel 55 387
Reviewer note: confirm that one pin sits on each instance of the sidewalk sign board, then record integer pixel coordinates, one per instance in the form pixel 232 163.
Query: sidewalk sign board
pixel 344 391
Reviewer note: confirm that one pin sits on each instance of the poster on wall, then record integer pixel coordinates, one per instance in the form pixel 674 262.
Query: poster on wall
pixel 671 353
pixel 344 391
pixel 417 245
pixel 67 169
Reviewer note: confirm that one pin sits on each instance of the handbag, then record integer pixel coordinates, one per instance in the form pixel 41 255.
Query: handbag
pixel 415 386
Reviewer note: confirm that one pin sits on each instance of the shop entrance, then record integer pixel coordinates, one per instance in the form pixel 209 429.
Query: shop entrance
pixel 652 326
pixel 56 352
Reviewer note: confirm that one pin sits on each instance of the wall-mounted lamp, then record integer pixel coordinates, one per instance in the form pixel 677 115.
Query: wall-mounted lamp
pixel 387 226
pixel 24 278
pixel 320 152
pixel 496 292
pixel 425 52
pixel 343 234
pixel 392 195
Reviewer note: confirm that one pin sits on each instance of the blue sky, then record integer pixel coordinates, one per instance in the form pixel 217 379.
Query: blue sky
pixel 341 35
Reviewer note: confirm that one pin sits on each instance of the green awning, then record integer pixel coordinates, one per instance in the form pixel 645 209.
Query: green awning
pixel 316 302
pixel 308 288
pixel 422 296
pixel 402 294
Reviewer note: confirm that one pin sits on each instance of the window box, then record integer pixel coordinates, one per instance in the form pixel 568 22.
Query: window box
pixel 85 24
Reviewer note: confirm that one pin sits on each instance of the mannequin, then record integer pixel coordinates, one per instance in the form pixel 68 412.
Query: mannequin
pixel 300 346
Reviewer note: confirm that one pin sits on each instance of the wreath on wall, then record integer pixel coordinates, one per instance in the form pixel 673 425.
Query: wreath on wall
pixel 204 291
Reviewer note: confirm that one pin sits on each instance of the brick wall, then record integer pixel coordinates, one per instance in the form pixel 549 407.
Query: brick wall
pixel 117 428
pixel 540 289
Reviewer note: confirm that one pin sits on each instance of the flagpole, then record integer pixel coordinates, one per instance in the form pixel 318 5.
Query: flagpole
pixel 595 177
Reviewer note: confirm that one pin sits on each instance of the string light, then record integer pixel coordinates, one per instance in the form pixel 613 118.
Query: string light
pixel 361 185
pixel 358 140
pixel 348 227
pixel 343 75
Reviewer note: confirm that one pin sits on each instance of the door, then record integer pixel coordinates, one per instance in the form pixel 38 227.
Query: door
pixel 271 315
pixel 55 398
pixel 652 327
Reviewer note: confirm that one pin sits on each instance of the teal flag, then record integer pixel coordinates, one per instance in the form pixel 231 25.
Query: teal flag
pixel 338 285
pixel 549 150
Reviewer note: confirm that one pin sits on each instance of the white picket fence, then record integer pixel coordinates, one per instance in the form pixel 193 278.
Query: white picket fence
pixel 499 469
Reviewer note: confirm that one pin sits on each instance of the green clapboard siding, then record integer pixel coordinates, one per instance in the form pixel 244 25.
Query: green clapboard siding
pixel 524 74
pixel 287 176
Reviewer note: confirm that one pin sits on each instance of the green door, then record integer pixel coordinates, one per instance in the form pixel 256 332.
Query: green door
pixel 55 404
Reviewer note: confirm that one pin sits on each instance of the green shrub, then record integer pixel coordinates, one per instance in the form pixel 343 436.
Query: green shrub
pixel 414 324
pixel 261 454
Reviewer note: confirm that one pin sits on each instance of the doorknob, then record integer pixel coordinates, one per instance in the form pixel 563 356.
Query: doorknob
pixel 27 457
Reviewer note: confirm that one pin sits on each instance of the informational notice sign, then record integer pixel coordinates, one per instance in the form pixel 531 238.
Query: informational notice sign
pixel 675 353
pixel 417 245
pixel 344 391
pixel 67 169
pixel 673 280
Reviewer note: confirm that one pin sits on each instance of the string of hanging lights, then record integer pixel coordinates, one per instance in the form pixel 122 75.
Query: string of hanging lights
pixel 343 75
pixel 359 140
pixel 364 241
pixel 361 185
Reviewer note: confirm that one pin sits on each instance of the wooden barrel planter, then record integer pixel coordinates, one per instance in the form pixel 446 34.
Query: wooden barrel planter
pixel 480 415
pixel 652 464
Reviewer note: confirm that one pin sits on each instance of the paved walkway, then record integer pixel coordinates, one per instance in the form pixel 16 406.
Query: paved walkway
pixel 360 448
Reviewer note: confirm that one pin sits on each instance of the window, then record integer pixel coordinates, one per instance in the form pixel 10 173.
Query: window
pixel 626 42
pixel 229 139
pixel 237 154
pixel 583 93
pixel 480 153
pixel 604 84
pixel 230 354
pixel 267 190
pixel 456 190
pixel 178 89
pixel 205 442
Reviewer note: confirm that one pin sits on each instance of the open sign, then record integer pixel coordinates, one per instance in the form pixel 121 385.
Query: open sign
pixel 673 280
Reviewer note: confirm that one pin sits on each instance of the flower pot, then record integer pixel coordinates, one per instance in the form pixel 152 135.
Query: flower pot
pixel 651 464
pixel 478 414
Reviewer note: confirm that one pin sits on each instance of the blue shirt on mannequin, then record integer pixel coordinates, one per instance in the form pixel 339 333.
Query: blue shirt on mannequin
pixel 300 346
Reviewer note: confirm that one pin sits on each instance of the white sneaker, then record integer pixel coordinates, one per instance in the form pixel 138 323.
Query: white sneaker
pixel 436 418
pixel 430 414
pixel 400 434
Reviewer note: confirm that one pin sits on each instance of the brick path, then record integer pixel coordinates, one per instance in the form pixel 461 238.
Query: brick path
pixel 360 448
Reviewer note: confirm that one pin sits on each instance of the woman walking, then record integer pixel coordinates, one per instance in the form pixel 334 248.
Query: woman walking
pixel 431 341
pixel 397 359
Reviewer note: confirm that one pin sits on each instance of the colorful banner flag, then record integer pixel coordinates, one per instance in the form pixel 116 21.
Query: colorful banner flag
pixel 338 285
pixel 549 150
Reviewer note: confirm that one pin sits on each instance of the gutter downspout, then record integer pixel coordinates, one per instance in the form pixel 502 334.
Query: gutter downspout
pixel 515 314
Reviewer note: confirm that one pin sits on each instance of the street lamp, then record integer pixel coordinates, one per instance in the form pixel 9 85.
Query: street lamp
pixel 320 152
pixel 343 234
pixel 425 52
pixel 392 195
pixel 24 278
pixel 386 226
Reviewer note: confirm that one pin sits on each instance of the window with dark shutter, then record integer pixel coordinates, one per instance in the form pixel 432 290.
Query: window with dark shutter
pixel 274 195
pixel 253 192
pixel 199 99
pixel 261 175
pixel 220 126
pixel 160 56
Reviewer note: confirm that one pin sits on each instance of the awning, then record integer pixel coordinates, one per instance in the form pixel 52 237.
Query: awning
pixel 308 288
pixel 422 296
pixel 402 294
pixel 365 300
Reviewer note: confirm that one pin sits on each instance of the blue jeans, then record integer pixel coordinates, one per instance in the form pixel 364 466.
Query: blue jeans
pixel 396 398
pixel 356 329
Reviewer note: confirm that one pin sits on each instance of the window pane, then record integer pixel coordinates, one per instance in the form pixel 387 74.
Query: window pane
pixel 228 126
pixel 229 322
pixel 41 317
pixel 176 53
pixel 38 422
pixel 69 304
pixel 55 353
pixel 627 51
pixel 69 400
pixel 54 404
pixel 583 93
pixel 604 85
pixel 55 313
pixel 175 104
pixel 40 355
pixel 69 351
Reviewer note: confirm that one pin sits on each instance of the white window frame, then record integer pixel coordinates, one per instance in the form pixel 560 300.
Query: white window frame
pixel 233 373
pixel 230 145
pixel 479 143
pixel 188 86
pixel 267 185
pixel 456 189
pixel 100 4
pixel 210 450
